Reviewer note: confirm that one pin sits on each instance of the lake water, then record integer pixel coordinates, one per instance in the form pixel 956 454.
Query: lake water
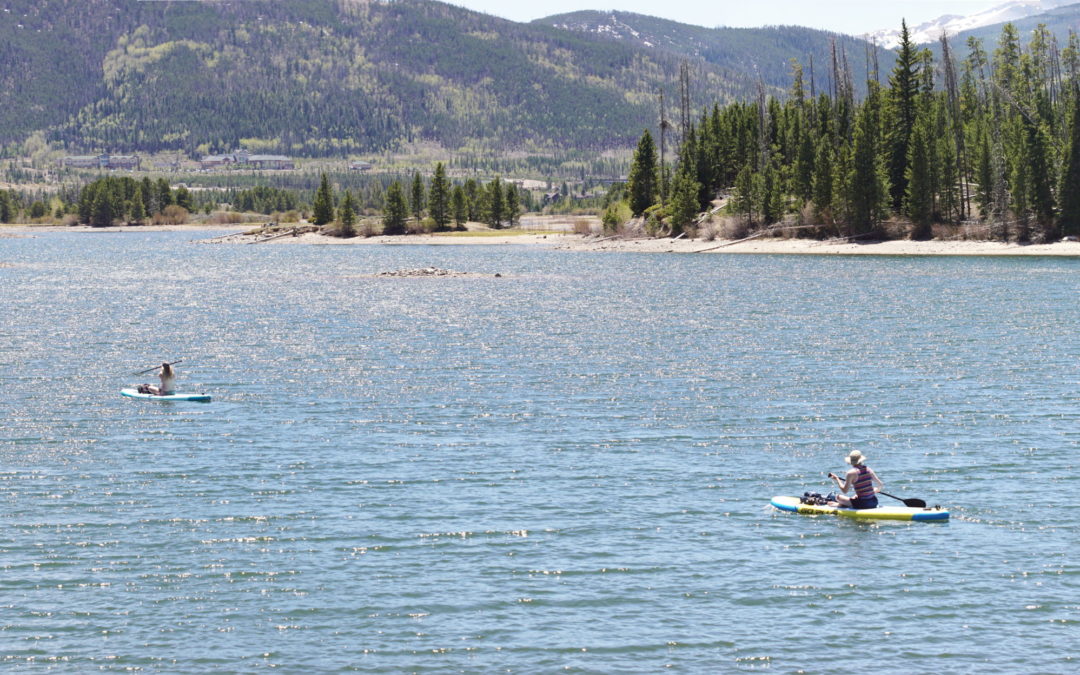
pixel 564 468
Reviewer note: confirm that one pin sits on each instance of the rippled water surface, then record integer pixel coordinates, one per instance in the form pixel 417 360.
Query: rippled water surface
pixel 566 467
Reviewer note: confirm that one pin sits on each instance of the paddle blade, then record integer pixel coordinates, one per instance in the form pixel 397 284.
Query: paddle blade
pixel 914 503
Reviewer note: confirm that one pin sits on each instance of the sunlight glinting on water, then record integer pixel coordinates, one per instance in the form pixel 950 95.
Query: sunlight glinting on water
pixel 567 466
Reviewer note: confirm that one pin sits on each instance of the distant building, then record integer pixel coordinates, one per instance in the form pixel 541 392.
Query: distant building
pixel 360 166
pixel 241 159
pixel 104 161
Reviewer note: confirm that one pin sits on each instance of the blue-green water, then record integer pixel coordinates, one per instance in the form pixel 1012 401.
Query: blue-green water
pixel 567 467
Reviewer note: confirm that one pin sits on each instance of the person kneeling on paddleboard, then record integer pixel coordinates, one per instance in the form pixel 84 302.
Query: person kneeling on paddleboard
pixel 860 477
pixel 168 383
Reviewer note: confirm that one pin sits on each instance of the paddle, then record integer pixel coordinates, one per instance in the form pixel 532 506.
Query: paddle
pixel 143 372
pixel 916 503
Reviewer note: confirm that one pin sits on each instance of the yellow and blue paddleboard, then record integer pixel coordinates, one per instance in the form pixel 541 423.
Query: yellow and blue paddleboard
pixel 880 513
pixel 135 393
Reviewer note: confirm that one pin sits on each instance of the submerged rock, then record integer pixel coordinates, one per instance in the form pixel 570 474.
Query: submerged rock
pixel 430 272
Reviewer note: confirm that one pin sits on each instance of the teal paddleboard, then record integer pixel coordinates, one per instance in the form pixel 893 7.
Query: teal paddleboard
pixel 135 393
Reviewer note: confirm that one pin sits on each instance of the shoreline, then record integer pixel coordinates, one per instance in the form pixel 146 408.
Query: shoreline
pixel 567 241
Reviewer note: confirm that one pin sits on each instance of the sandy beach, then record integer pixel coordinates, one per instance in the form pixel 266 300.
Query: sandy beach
pixel 775 246
pixel 566 241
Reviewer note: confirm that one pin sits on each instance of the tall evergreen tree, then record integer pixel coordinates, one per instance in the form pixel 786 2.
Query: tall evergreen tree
pixel 347 216
pixel 472 200
pixel 137 208
pixel 823 178
pixel 184 199
pixel 7 207
pixel 903 93
pixel 322 207
pixel 1042 196
pixel 150 196
pixel 439 198
pixel 106 207
pixel 642 181
pixel 920 198
pixel 496 204
pixel 513 204
pixel 164 195
pixel 683 203
pixel 395 210
pixel 416 201
pixel 459 207
pixel 744 193
pixel 1069 218
pixel 868 184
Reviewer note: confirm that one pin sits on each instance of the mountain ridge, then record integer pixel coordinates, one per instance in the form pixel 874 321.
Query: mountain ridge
pixel 327 77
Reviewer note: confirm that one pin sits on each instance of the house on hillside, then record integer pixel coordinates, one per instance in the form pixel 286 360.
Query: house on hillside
pixel 241 159
pixel 103 161
pixel 362 167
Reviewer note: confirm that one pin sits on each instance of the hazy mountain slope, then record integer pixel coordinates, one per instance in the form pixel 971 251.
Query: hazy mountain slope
pixel 758 52
pixel 336 76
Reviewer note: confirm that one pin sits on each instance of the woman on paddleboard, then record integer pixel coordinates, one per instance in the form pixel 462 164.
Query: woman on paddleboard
pixel 860 477
pixel 168 382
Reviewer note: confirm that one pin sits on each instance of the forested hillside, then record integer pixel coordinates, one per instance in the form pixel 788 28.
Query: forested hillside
pixel 765 52
pixel 330 77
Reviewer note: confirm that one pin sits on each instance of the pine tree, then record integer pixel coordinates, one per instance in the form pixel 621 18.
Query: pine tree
pixel 683 203
pixel 920 200
pixel 7 206
pixel 322 208
pixel 772 195
pixel 164 195
pixel 416 202
pixel 867 182
pixel 903 92
pixel 472 201
pixel 1069 218
pixel 823 179
pixel 1042 197
pixel 496 202
pixel 459 207
pixel 642 181
pixel 439 198
pixel 744 193
pixel 513 204
pixel 137 208
pixel 104 210
pixel 183 198
pixel 149 193
pixel 347 216
pixel 395 210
